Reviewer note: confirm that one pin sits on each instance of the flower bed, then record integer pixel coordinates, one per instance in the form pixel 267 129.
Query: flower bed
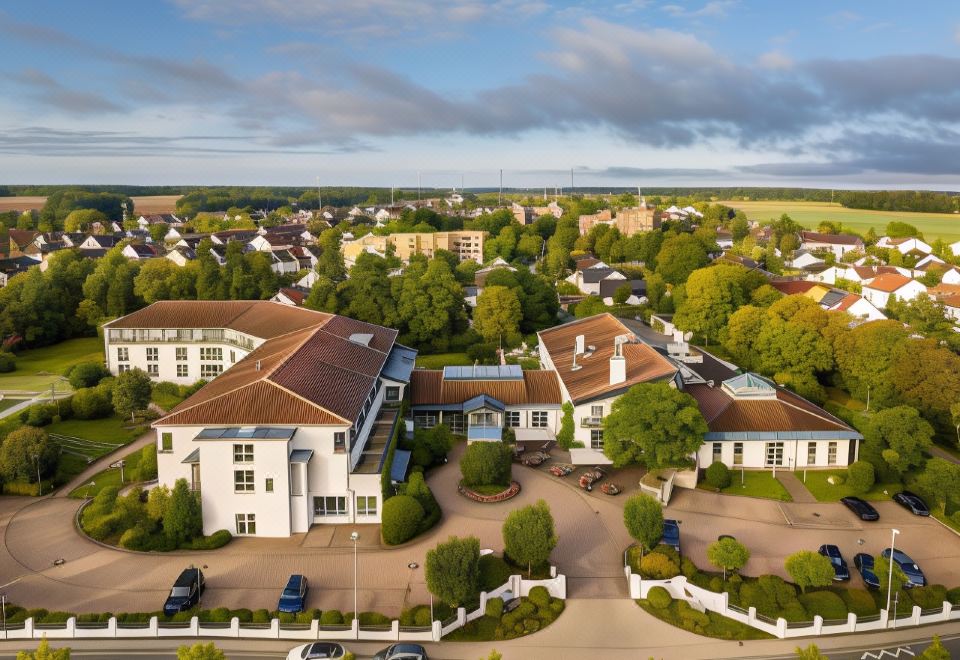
pixel 501 496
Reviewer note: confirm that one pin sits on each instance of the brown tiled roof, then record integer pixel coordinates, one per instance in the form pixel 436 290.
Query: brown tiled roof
pixel 833 239
pixel 869 272
pixel 787 412
pixel 793 287
pixel 295 295
pixel 944 290
pixel 592 380
pixel 888 282
pixel 847 302
pixel 22 237
pixel 259 318
pixel 429 387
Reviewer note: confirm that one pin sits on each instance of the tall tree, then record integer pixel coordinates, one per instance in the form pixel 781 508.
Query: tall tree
pixel 131 392
pixel 497 315
pixel 896 439
pixel 809 569
pixel 713 295
pixel 183 519
pixel 529 536
pixel 24 452
pixel 453 570
pixel 679 256
pixel 643 518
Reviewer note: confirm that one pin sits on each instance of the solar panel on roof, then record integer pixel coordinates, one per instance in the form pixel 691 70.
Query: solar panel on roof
pixel 258 432
pixel 484 372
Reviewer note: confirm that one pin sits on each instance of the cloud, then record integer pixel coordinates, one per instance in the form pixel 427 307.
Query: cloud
pixel 774 59
pixel 49 92
pixel 713 9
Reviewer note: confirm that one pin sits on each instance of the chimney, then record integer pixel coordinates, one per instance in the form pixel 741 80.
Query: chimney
pixel 618 363
pixel 579 346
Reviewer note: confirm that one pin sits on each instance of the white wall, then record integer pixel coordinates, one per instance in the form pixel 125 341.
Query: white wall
pixel 794 453
pixel 167 358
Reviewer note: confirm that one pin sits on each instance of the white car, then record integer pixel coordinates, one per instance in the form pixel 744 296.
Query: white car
pixel 316 650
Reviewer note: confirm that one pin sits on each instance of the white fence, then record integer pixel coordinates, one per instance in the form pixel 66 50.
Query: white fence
pixel 394 632
pixel 704 599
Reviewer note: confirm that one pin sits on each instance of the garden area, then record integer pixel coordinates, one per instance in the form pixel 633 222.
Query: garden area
pixel 831 485
pixel 138 466
pixel 746 483
pixel 36 369
pixel 487 471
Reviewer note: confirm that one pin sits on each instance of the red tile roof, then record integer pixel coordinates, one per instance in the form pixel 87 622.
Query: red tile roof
pixel 888 282
pixel 793 287
pixel 832 239
pixel 786 412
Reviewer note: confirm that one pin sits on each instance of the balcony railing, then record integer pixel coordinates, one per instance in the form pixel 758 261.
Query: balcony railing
pixel 591 422
pixel 182 336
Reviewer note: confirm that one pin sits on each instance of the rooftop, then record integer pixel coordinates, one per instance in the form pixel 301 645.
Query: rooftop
pixel 888 282
pixel 433 387
pixel 833 239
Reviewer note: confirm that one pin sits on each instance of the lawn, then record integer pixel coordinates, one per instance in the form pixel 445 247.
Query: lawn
pixel 83 441
pixel 826 492
pixel 165 400
pixel 755 484
pixel 39 368
pixel 9 403
pixel 810 214
pixel 111 476
pixel 441 360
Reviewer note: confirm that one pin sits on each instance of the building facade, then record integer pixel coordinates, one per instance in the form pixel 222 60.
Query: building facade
pixel 467 245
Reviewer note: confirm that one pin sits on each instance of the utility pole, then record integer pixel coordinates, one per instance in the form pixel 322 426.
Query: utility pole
pixel 418 185
pixel 571 180
pixel 500 195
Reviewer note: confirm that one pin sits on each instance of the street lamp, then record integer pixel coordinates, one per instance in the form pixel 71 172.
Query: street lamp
pixel 893 539
pixel 355 536
pixel 36 457
pixel 3 605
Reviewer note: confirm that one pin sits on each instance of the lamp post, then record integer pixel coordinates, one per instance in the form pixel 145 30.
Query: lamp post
pixel 893 539
pixel 3 605
pixel 36 457
pixel 355 536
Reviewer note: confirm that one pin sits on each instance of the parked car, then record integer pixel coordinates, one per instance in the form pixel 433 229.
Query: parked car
pixel 671 534
pixel 913 502
pixel 293 598
pixel 611 488
pixel 534 459
pixel 316 650
pixel 561 469
pixel 591 476
pixel 864 564
pixel 862 509
pixel 840 570
pixel 186 591
pixel 915 577
pixel 402 652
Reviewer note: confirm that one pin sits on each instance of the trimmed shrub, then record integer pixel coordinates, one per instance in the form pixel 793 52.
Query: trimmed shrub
pixel 216 540
pixel 134 538
pixel 331 618
pixel 261 616
pixel 494 572
pixel 525 609
pixel 401 519
pixel 860 477
pixel 716 584
pixel 286 617
pixel 246 616
pixel 8 362
pixel 688 568
pixel 373 619
pixel 56 617
pixel 86 374
pixel 658 566
pixel 930 596
pixel 557 605
pixel 487 464
pixel 539 596
pixel 718 475
pixel 859 601
pixel 823 603
pixel 148 462
pixel 90 403
pixel 659 597
pixel 421 616
pixel 495 608
pixel 953 596
pixel 219 615
pixel 668 551
pixel 40 415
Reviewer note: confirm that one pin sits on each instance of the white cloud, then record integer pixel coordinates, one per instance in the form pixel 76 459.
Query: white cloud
pixel 713 9
pixel 774 60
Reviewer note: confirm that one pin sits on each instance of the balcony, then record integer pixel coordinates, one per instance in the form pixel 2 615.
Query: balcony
pixel 182 336
pixel 591 422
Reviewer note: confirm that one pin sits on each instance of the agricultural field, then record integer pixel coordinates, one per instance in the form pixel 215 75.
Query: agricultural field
pixel 810 214
pixel 142 205
pixel 26 202
pixel 39 368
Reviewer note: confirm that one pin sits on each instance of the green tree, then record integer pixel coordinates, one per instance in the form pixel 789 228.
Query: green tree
pixel 811 652
pixel 903 432
pixel 728 554
pixel 590 306
pixel 713 295
pixel 323 295
pixel 430 303
pixel 864 356
pixel 131 392
pixel 23 450
pixel 497 315
pixel 936 651
pixel 809 569
pixel 44 652
pixel 860 477
pixel 623 292
pixel 183 519
pixel 653 424
pixel 940 482
pixel 926 376
pixel 200 651
pixel 486 464
pixel 401 519
pixel 81 220
pixel 528 535
pixel 643 518
pixel 679 256
pixel 955 418
pixel 87 374
pixel 453 570
pixel 566 433
pixel 881 568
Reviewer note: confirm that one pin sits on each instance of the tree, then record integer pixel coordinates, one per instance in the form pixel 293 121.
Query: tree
pixel 131 392
pixel 158 503
pixel 200 651
pixel 955 418
pixel 23 450
pixel 528 535
pixel 940 482
pixel 566 433
pixel 486 464
pixel 864 356
pixel 497 315
pixel 623 292
pixel 44 652
pixel 82 219
pixel 860 477
pixel 453 570
pixel 935 651
pixel 401 519
pixel 87 374
pixel 643 518
pixel 811 652
pixel 881 568
pixel 91 403
pixel 183 519
pixel 679 256
pixel 589 306
pixel 430 303
pixel 323 295
pixel 653 424
pixel 809 569
pixel 713 294
pixel 728 554
pixel 903 432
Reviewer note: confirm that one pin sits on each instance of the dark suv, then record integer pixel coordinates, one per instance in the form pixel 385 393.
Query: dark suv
pixel 185 592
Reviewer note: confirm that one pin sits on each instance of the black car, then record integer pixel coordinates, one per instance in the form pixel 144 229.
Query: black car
pixel 863 510
pixel 840 570
pixel 913 502
pixel 185 592
pixel 915 577
pixel 864 564
pixel 402 652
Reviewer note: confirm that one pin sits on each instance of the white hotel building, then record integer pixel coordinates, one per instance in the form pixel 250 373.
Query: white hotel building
pixel 294 432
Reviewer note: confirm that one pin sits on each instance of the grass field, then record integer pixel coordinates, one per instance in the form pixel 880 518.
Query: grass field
pixel 142 205
pixel 826 492
pixel 83 441
pixel 810 214
pixel 755 484
pixel 111 477
pixel 9 403
pixel 38 368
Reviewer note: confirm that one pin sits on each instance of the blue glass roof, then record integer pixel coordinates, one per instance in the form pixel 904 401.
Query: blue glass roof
pixel 399 364
pixel 495 372
pixel 401 463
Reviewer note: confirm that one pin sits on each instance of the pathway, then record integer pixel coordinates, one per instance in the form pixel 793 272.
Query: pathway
pixel 795 487
pixel 12 410
pixel 940 452
pixel 103 463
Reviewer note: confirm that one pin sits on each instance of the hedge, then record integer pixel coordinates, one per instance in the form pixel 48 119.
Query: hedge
pixel 826 604
pixel 659 597
pixel 859 601
pixel 401 519
pixel 718 475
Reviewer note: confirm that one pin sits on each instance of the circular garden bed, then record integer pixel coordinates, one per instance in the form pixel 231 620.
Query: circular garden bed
pixel 487 497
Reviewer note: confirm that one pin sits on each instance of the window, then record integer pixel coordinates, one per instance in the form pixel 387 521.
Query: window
pixel 484 419
pixel 596 438
pixel 246 524
pixel 425 420
pixel 366 505
pixel 243 453
pixel 210 370
pixel 538 419
pixel 596 411
pixel 831 453
pixel 513 418
pixel 340 441
pixel 183 370
pixel 329 506
pixel 243 481
pixel 296 479
pixel 774 451
pixel 738 453
pixel 153 369
pixel 181 353
pixel 233 357
pixel 268 485
pixel 166 442
pixel 123 367
pixel 123 354
pixel 392 393
pixel 153 354
pixel 211 353
pixel 717 453
pixel 811 453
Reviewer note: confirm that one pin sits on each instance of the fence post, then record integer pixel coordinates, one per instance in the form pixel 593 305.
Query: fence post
pixel 315 628
pixel 235 626
pixel 154 626
pixel 483 601
pixel 553 571
pixel 437 631
pixel 781 628
pixel 194 626
pixel 947 609
pixel 461 616
pixel 275 628
pixel 817 625
pixel 915 617
pixel 851 622
pixel 751 616
pixel 395 630
pixel 71 627
pixel 28 627
pixel 355 626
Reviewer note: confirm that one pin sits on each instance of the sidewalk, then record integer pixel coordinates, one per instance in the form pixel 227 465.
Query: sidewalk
pixel 12 410
pixel 795 487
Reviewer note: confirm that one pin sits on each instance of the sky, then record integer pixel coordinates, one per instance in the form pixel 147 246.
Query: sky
pixel 856 94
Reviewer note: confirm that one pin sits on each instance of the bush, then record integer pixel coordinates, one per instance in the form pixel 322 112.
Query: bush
pixel 494 608
pixel 8 362
pixel 953 596
pixel 401 519
pixel 421 616
pixel 930 596
pixel 307 616
pixel 716 584
pixel 494 572
pixel 261 616
pixel 860 477
pixel 331 618
pixel 487 464
pixel 373 619
pixel 859 601
pixel 718 475
pixel 90 403
pixel 134 538
pixel 668 551
pixel 219 615
pixel 688 568
pixel 86 374
pixel 659 598
pixel 40 414
pixel 216 540
pixel 539 596
pixel 148 462
pixel 246 616
pixel 658 567
pixel 825 604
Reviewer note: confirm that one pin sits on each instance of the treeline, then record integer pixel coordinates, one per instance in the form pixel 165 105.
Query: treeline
pixel 900 200
pixel 45 190
pixel 272 198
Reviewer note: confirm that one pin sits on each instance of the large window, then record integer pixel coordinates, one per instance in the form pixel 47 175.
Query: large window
pixel 123 354
pixel 153 354
pixel 774 452
pixel 366 505
pixel 425 420
pixel 243 481
pixel 717 452
pixel 329 506
pixel 123 367
pixel 484 419
pixel 811 453
pixel 166 442
pixel 538 419
pixel 181 353
pixel 183 370
pixel 210 370
pixel 211 353
pixel 738 453
pixel 596 438
pixel 340 441
pixel 832 453
pixel 246 524
pixel 513 418
pixel 243 453
pixel 392 393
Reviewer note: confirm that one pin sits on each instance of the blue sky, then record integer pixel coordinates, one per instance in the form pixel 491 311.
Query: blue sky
pixel 369 92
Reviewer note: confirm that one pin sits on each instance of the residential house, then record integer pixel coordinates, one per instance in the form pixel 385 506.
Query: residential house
pixel 955 248
pixel 140 251
pixel 916 246
pixel 588 280
pixel 831 299
pixel 168 219
pixel 294 434
pixel 949 296
pixel 181 255
pixel 609 287
pixel 880 289
pixel 857 274
pixel 724 239
pixel 465 244
pixel 526 215
pixel 11 266
pixel 628 220
pixel 229 235
pixel 22 242
pixel 283 262
pixel 803 259
pixel 838 244
pixel 95 242
pixel 294 296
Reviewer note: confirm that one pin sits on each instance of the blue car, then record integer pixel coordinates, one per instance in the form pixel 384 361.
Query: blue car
pixel 840 570
pixel 294 596
pixel 915 577
pixel 671 534
pixel 864 564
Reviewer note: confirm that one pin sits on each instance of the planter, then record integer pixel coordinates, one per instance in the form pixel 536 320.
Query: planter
pixel 502 496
